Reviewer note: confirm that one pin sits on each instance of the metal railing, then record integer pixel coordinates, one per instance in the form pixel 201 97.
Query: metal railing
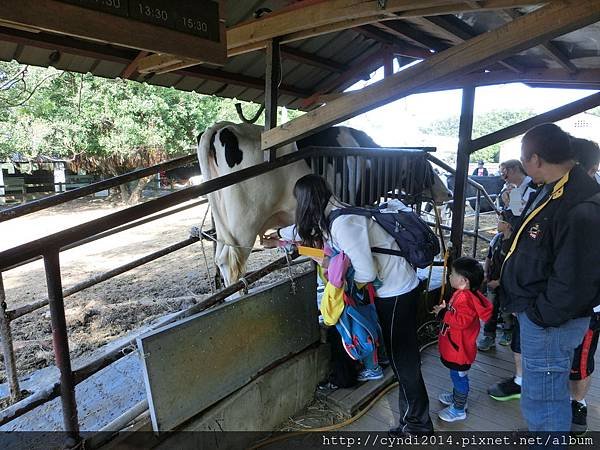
pixel 394 177
pixel 475 232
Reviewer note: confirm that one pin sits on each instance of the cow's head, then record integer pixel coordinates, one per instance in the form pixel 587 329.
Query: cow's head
pixel 243 211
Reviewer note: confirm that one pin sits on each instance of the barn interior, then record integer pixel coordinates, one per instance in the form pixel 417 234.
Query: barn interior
pixel 301 55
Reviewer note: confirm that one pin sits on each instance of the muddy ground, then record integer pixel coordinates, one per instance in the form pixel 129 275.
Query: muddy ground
pixel 115 307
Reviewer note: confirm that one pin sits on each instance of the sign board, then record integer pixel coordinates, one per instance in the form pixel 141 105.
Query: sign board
pixel 190 29
pixel 200 18
pixel 192 364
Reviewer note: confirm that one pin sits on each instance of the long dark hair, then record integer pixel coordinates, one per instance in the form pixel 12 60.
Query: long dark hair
pixel 312 195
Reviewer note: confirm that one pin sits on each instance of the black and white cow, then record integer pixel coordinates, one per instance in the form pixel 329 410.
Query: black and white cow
pixel 249 208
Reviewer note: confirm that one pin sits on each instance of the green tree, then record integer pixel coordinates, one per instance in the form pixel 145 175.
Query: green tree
pixel 110 126
pixel 483 124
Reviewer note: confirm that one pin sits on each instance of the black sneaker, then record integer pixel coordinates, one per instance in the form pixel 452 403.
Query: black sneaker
pixel 579 421
pixel 505 390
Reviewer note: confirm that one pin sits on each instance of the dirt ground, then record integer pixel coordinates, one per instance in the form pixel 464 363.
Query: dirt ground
pixel 115 307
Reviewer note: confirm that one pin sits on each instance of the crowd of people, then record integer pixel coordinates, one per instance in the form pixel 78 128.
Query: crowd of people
pixel 540 279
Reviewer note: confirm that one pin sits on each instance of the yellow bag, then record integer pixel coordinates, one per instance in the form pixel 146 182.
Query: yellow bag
pixel 332 304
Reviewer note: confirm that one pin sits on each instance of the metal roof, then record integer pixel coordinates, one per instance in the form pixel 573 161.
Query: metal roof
pixel 323 64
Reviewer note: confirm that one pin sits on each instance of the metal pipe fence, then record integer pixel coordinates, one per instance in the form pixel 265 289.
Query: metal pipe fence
pixel 383 174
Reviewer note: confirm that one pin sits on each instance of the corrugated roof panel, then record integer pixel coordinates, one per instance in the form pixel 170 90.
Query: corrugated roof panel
pixel 166 79
pixel 187 84
pixel 79 64
pixel 249 95
pixel 7 50
pixel 34 56
pixel 210 87
pixel 347 48
pixel 582 43
pixel 109 69
pixel 252 64
pixel 232 91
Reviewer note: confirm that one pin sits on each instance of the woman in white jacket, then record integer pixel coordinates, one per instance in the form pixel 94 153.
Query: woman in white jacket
pixel 397 294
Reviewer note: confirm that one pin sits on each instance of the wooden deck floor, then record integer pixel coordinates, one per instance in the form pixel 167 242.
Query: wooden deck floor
pixel 485 413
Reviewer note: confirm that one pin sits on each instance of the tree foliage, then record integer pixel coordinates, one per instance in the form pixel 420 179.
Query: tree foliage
pixel 110 126
pixel 482 124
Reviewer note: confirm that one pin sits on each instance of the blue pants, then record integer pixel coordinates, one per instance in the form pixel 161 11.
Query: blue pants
pixel 547 354
pixel 460 381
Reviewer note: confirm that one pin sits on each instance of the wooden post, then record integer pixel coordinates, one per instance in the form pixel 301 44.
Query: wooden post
pixel 388 63
pixel 272 81
pixel 462 170
pixel 8 351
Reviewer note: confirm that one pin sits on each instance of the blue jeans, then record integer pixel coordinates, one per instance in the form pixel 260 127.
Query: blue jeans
pixel 547 354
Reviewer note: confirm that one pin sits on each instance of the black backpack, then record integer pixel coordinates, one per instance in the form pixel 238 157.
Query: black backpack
pixel 418 244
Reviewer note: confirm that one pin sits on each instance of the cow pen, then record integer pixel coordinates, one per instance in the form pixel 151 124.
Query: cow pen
pixel 394 166
pixel 309 52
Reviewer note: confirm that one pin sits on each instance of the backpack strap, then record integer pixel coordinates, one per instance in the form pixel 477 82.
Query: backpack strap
pixel 365 212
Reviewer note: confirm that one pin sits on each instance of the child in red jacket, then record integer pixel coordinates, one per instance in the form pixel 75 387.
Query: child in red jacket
pixel 458 335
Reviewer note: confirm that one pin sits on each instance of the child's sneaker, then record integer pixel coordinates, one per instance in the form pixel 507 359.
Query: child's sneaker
pixel 451 414
pixel 485 343
pixel 370 374
pixel 506 338
pixel 447 398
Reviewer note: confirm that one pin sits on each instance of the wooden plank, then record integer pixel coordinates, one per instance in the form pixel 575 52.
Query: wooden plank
pixel 335 15
pixel 132 67
pixel 72 20
pixel 302 22
pixel 349 401
pixel 541 25
pixel 191 364
pixel 465 133
pixel 160 63
pixel 317 15
pixel 460 31
pixel 548 47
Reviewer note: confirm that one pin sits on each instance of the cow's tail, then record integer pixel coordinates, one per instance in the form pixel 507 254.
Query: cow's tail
pixel 237 266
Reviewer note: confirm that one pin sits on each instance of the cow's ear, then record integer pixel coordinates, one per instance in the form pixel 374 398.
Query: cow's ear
pixel 233 153
pixel 198 138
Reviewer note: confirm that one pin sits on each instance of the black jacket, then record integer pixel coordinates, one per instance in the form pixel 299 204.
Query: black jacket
pixel 553 273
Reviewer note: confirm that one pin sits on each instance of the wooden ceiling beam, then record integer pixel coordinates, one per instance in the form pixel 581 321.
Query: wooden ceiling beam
pixel 106 52
pixel 554 19
pixel 77 21
pixel 355 72
pixel 303 57
pixel 555 78
pixel 300 22
pixel 335 15
pixel 400 28
pixel 549 48
pixel 396 45
pixel 552 78
pixel 131 68
pixel 240 80
pixel 67 44
pixel 459 32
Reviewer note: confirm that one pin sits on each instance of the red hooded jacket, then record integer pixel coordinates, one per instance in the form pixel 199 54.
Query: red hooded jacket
pixel 460 328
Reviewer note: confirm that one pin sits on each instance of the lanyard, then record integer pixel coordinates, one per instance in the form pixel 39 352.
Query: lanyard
pixel 557 191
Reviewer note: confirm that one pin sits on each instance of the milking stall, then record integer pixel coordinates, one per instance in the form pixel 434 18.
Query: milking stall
pixel 228 371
